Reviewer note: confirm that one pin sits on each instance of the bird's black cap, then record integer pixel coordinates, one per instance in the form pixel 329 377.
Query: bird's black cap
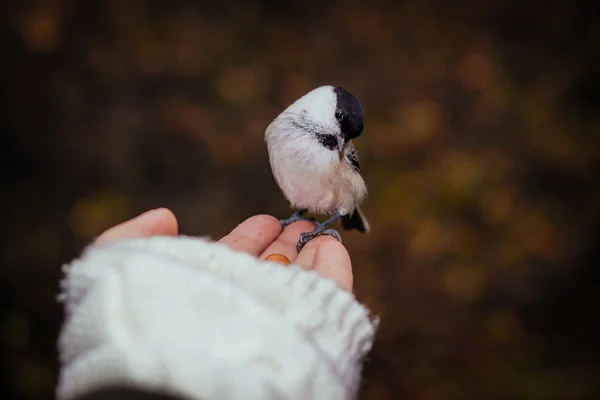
pixel 349 113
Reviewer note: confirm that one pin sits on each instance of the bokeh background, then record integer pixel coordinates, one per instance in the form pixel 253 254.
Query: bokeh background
pixel 480 152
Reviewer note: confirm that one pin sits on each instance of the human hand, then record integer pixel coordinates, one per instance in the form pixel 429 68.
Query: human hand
pixel 260 236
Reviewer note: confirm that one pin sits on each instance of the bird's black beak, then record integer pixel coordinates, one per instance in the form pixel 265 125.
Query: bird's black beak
pixel 341 142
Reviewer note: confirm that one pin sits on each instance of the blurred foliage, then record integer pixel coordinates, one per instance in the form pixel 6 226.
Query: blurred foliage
pixel 480 152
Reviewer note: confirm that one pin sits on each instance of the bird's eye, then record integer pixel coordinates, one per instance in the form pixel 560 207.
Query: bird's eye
pixel 339 115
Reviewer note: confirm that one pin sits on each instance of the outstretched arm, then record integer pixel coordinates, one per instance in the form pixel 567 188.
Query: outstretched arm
pixel 186 316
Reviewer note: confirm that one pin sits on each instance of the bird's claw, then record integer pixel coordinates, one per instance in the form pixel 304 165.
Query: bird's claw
pixel 306 237
pixel 297 216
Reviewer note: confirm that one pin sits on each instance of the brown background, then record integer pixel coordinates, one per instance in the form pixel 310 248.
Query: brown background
pixel 480 152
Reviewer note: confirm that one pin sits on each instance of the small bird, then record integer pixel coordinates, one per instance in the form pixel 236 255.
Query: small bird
pixel 315 163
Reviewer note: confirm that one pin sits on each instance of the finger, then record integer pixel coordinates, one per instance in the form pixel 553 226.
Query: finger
pixel 253 235
pixel 333 261
pixel 160 221
pixel 306 258
pixel 286 242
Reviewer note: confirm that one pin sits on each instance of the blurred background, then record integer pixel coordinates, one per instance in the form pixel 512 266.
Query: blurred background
pixel 480 152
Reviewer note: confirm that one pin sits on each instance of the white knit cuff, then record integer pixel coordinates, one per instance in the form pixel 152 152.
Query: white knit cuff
pixel 192 317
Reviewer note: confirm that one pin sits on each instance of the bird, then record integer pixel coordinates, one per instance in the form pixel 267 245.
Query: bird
pixel 315 162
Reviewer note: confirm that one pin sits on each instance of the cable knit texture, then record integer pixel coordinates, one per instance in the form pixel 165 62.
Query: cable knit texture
pixel 193 318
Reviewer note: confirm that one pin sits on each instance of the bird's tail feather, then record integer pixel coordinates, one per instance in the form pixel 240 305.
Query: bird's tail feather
pixel 357 221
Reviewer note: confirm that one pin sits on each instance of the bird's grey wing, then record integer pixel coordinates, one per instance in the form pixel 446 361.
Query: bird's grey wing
pixel 352 157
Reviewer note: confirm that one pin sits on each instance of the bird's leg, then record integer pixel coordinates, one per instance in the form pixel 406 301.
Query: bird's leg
pixel 297 216
pixel 321 229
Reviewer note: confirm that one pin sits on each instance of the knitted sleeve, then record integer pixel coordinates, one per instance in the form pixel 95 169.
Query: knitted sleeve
pixel 193 318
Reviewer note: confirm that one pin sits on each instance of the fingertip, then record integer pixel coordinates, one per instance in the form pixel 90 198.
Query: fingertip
pixel 165 221
pixel 264 222
pixel 253 235
pixel 306 257
pixel 332 261
pixel 334 247
pixel 159 221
